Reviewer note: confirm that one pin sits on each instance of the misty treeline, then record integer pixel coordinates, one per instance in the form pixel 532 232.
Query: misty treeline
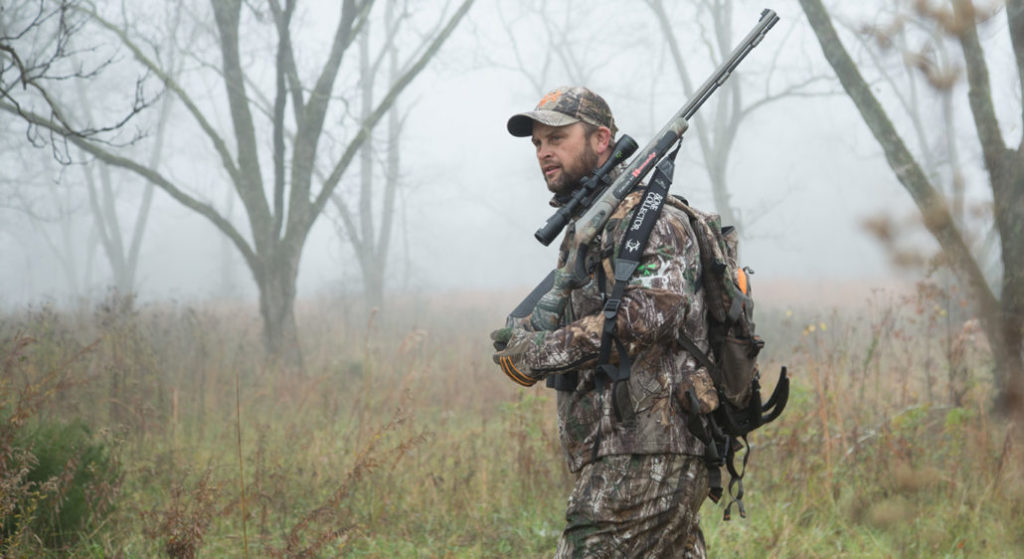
pixel 290 118
pixel 942 45
pixel 283 152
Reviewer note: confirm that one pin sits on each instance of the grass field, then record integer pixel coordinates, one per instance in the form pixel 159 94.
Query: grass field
pixel 401 439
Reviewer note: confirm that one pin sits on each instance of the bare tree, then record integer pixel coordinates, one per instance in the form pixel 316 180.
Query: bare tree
pixel 47 27
pixel 282 210
pixel 369 230
pixel 567 46
pixel 1002 311
pixel 120 247
pixel 90 190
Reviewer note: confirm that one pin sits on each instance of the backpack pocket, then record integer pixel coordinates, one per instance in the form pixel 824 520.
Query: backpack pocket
pixel 738 366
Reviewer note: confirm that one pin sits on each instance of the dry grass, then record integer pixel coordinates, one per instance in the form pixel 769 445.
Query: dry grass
pixel 402 440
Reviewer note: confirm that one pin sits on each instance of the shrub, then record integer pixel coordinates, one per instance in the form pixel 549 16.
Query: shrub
pixel 63 484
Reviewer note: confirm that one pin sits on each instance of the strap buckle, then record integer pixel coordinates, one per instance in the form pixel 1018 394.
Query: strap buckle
pixel 611 308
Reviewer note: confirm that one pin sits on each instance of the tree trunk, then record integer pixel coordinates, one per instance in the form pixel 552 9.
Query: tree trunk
pixel 1000 316
pixel 276 284
pixel 720 191
pixel 373 285
pixel 1009 215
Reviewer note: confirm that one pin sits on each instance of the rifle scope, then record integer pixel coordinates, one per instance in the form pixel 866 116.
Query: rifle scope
pixel 590 185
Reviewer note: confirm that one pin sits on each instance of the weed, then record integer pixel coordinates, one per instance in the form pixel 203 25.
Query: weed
pixel 401 439
pixel 57 481
pixel 181 525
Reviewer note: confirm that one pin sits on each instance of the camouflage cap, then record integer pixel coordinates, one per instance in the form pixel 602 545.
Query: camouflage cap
pixel 564 106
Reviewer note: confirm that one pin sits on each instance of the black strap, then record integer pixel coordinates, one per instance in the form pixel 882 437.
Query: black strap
pixel 777 402
pixel 712 437
pixel 565 382
pixel 693 349
pixel 736 481
pixel 630 252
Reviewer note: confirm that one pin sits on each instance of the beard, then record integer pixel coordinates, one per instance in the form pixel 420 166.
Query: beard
pixel 569 178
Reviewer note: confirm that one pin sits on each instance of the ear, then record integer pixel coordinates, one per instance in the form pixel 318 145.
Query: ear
pixel 602 140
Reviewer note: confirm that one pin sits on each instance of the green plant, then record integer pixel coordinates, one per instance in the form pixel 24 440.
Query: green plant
pixel 66 484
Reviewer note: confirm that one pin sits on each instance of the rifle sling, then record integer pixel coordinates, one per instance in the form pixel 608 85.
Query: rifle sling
pixel 631 250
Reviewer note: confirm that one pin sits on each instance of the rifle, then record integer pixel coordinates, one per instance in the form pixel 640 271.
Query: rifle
pixel 598 197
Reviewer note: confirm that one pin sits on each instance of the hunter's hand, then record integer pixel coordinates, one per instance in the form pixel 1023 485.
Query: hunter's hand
pixel 515 345
pixel 548 313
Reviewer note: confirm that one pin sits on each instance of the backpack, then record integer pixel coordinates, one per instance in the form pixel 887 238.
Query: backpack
pixel 732 359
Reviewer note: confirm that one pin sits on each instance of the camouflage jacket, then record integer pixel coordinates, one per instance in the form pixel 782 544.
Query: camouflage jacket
pixel 663 297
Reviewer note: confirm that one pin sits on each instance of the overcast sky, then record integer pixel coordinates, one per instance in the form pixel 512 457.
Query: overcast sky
pixel 805 171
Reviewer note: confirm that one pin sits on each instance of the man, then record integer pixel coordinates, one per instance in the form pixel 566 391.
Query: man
pixel 640 473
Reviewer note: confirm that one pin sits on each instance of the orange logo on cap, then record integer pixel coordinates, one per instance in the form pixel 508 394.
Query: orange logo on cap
pixel 549 98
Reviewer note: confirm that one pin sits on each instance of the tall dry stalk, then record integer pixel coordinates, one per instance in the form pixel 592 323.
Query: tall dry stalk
pixel 241 470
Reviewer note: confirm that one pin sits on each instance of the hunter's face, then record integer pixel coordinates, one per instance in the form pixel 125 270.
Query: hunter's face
pixel 565 154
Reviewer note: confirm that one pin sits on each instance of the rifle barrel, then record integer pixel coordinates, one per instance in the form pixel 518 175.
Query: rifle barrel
pixel 768 19
pixel 591 222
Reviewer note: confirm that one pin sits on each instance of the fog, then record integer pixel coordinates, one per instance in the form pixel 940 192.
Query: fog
pixel 804 172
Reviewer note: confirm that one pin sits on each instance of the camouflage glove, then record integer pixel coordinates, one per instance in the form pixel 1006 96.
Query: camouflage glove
pixel 548 313
pixel 514 346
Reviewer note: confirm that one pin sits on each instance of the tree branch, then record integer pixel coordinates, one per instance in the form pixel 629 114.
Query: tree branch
pixel 280 100
pixel 930 202
pixel 684 75
pixel 249 183
pixel 283 20
pixel 150 175
pixel 349 223
pixel 385 103
pixel 1015 21
pixel 979 92
pixel 309 127
pixel 172 84
pixel 794 90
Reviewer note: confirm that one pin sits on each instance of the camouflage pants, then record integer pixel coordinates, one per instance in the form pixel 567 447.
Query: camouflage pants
pixel 636 506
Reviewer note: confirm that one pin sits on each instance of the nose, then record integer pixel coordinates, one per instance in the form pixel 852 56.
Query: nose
pixel 543 151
